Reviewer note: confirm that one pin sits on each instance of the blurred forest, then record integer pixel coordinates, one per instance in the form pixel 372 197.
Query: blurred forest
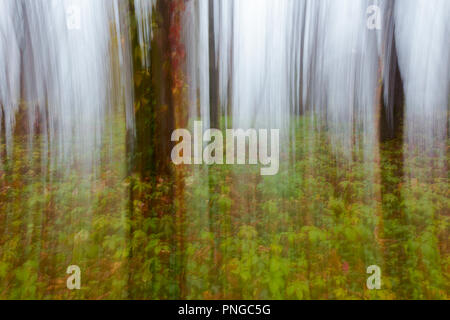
pixel 140 227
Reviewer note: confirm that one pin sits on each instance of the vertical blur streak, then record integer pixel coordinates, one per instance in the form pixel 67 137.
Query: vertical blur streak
pixel 143 11
pixel 422 33
pixel 9 67
pixel 197 64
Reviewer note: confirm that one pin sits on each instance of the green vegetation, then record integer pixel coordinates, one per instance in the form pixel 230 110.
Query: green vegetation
pixel 225 232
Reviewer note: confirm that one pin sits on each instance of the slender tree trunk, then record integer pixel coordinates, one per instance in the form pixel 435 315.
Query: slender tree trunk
pixel 213 69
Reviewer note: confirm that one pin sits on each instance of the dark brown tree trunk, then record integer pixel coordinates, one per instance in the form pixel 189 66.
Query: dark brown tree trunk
pixel 213 70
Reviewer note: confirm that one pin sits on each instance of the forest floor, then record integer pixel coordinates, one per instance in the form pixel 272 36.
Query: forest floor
pixel 225 232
